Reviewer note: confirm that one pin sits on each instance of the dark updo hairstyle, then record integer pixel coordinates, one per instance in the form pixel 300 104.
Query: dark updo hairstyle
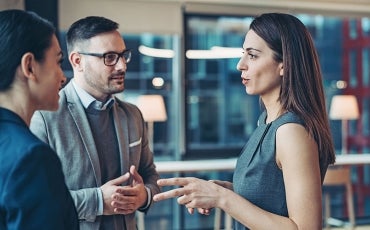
pixel 21 32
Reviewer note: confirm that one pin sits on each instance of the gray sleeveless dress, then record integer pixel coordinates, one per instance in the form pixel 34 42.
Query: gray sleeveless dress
pixel 257 177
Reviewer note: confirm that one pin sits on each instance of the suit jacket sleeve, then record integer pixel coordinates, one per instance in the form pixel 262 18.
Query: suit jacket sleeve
pixel 37 197
pixel 85 199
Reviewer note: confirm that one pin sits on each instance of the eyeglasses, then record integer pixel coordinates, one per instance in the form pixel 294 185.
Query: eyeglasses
pixel 111 58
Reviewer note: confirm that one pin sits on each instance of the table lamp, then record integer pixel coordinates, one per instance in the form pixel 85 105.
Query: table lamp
pixel 344 107
pixel 153 109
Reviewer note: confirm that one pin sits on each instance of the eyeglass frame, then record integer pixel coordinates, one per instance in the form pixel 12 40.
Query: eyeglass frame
pixel 103 55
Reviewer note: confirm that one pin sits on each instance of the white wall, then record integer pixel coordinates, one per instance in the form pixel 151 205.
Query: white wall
pixel 133 16
pixel 353 8
pixel 165 16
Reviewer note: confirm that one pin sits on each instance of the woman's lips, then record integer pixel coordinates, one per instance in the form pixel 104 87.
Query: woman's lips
pixel 245 81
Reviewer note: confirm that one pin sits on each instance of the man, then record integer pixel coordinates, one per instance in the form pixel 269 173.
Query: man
pixel 97 136
pixel 33 194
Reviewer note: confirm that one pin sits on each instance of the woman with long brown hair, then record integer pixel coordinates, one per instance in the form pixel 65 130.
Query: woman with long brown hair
pixel 278 177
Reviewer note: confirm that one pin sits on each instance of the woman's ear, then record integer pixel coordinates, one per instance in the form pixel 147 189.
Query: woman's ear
pixel 281 66
pixel 28 65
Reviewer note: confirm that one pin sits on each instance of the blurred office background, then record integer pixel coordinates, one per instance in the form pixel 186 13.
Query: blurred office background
pixel 208 114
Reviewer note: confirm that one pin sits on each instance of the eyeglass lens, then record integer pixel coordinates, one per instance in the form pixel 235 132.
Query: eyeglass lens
pixel 112 58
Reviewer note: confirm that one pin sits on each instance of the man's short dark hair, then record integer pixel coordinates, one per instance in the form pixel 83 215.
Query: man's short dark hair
pixel 87 28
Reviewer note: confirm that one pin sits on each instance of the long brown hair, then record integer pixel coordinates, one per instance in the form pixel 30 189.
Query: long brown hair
pixel 302 89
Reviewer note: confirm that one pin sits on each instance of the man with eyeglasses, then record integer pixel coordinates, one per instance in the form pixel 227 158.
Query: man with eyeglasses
pixel 101 140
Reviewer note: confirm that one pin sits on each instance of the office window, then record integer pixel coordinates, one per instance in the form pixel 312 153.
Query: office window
pixel 365 117
pixel 365 67
pixel 219 114
pixel 353 68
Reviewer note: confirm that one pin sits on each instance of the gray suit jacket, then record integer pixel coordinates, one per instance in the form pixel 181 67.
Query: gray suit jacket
pixel 67 131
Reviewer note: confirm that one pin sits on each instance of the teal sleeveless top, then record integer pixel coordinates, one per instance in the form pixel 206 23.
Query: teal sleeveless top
pixel 257 177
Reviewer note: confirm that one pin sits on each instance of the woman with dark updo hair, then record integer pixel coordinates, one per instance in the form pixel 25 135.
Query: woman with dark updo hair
pixel 33 193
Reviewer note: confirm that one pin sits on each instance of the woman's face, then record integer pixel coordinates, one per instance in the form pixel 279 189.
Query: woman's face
pixel 261 74
pixel 50 77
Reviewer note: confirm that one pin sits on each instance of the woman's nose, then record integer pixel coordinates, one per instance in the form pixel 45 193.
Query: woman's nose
pixel 241 64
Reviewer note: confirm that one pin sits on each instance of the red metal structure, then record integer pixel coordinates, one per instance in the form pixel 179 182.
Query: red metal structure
pixel 355 44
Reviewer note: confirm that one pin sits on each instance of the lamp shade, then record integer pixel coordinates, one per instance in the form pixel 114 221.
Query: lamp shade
pixel 152 107
pixel 344 107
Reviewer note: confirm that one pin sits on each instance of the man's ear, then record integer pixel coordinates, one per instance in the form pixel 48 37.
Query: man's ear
pixel 75 60
pixel 28 65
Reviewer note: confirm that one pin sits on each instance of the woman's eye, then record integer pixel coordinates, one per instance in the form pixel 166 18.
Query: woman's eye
pixel 252 56
pixel 60 62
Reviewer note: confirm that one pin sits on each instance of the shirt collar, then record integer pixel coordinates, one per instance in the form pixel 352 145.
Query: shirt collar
pixel 89 101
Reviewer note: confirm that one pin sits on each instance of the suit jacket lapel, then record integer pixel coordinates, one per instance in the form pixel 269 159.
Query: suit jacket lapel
pixel 79 116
